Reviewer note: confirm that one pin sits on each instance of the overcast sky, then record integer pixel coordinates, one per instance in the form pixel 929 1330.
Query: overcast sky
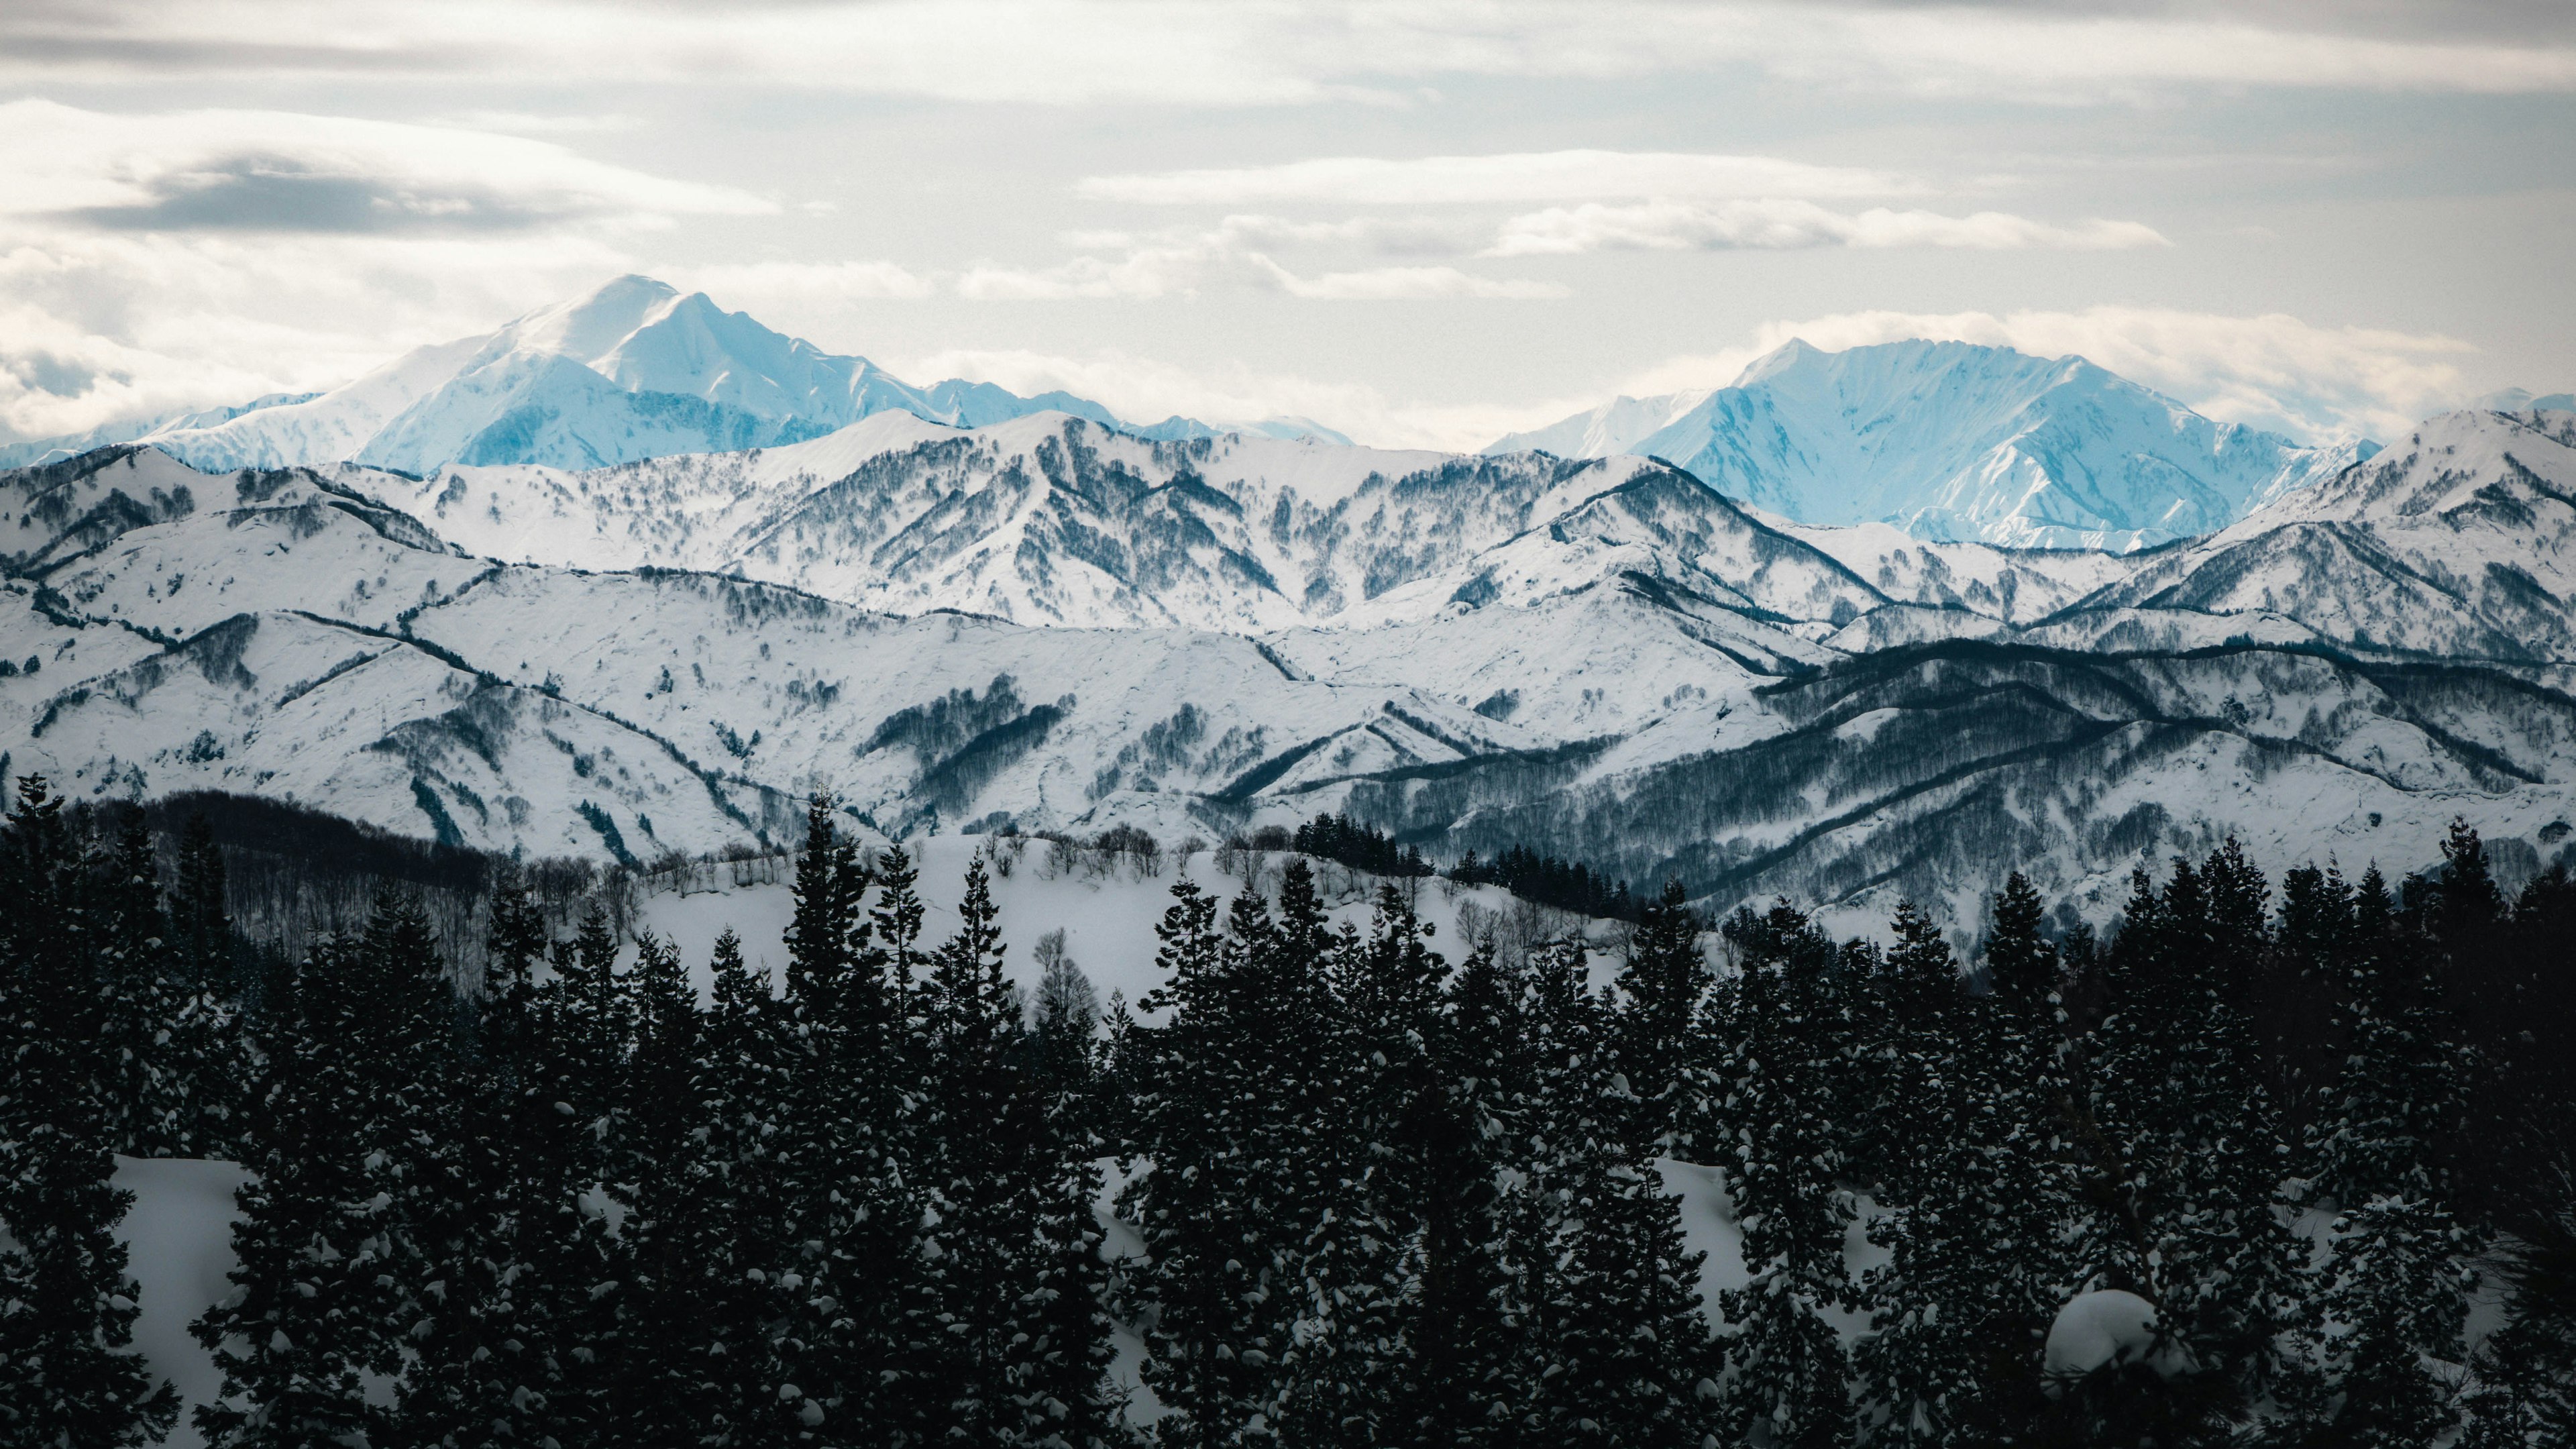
pixel 1424 223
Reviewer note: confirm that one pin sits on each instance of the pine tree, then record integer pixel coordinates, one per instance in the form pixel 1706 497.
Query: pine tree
pixel 1962 1307
pixel 314 1284
pixel 1664 980
pixel 740 1074
pixel 2195 1161
pixel 67 1307
pixel 1782 1041
pixel 1224 1099
pixel 2392 1297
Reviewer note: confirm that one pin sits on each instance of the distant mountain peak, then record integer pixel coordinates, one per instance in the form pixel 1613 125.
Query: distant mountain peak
pixel 1953 440
pixel 632 369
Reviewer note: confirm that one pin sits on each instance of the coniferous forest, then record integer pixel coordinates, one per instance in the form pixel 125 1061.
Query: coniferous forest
pixel 2297 1149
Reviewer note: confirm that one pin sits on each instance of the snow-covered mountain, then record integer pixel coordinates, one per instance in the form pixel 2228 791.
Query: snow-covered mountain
pixel 1955 441
pixel 1606 658
pixel 632 370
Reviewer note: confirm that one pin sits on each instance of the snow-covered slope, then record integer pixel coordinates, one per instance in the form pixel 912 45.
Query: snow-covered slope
pixel 1951 440
pixel 633 370
pixel 1605 659
pixel 2458 543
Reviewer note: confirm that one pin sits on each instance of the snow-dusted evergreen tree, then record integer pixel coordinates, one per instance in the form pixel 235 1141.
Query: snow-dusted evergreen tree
pixel 1663 983
pixel 1782 1033
pixel 1464 1387
pixel 1226 1097
pixel 852 1076
pixel 2190 1159
pixel 659 1171
pixel 1010 1319
pixel 315 1301
pixel 1353 1375
pixel 476 1280
pixel 2392 1299
pixel 740 1075
pixel 1601 1295
pixel 1974 1277
pixel 68 1375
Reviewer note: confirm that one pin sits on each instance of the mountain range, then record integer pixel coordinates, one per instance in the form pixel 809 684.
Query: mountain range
pixel 1945 441
pixel 1049 623
pixel 632 370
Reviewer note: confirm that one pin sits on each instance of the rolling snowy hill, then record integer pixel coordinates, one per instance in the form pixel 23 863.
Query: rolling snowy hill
pixel 1606 658
pixel 1954 441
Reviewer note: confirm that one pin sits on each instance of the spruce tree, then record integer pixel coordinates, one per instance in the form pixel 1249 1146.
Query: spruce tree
pixel 1664 981
pixel 2392 1298
pixel 740 1076
pixel 67 1307
pixel 1782 1040
pixel 313 1286
pixel 1224 1102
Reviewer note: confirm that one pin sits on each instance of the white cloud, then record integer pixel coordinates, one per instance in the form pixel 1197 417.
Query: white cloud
pixel 752 286
pixel 1148 391
pixel 102 327
pixel 1237 252
pixel 1268 52
pixel 1663 225
pixel 282 171
pixel 1520 176
pixel 2271 371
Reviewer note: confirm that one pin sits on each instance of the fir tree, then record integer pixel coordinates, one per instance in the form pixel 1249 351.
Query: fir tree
pixel 2196 1161
pixel 2392 1297
pixel 1664 981
pixel 1780 1033
pixel 314 1285
pixel 67 1307
pixel 740 1076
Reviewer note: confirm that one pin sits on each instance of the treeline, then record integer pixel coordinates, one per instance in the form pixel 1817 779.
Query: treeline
pixel 1383 1198
pixel 1564 884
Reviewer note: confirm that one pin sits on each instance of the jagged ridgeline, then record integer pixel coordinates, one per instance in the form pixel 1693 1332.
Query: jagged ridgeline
pixel 2239 1167
pixel 1608 660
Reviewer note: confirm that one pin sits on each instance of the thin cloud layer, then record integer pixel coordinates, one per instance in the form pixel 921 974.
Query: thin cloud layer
pixel 1777 224
pixel 239 170
pixel 1571 175
pixel 1238 251
pixel 1075 52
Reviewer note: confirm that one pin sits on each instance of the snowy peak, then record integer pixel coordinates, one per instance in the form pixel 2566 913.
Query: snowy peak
pixel 1958 441
pixel 632 370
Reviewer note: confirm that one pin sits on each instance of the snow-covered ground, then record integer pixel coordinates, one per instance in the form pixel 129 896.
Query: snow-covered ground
pixel 1107 913
pixel 179 1233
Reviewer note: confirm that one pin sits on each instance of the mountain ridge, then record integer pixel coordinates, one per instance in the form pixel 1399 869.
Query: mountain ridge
pixel 633 369
pixel 1608 657
pixel 1955 441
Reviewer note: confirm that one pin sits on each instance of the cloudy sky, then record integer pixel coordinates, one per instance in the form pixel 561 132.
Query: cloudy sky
pixel 1422 222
